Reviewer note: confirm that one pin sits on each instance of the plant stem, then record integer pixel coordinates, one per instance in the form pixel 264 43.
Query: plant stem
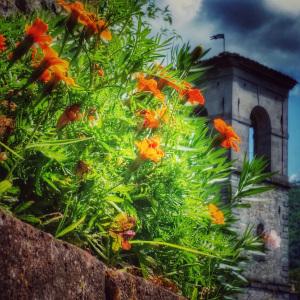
pixel 157 243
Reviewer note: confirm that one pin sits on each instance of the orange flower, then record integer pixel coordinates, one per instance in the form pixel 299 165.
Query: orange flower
pixel 193 95
pixel 99 70
pixel 121 231
pixel 164 79
pixel 71 114
pixel 59 73
pixel 216 214
pixel 123 222
pixel 46 76
pixel 36 33
pixel 149 85
pixel 97 26
pixel 52 68
pixel 162 82
pixel 229 137
pixel 77 13
pixel 149 149
pixel 152 118
pixel 2 43
pixel 51 59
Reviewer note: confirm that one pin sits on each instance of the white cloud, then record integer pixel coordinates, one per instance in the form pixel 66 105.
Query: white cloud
pixel 286 6
pixel 187 22
pixel 294 177
pixel 295 91
pixel 183 11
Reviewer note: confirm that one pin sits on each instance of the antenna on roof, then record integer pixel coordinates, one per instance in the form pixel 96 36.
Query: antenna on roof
pixel 219 36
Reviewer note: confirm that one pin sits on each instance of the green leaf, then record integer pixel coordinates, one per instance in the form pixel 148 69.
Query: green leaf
pixel 114 198
pixel 195 292
pixel 4 186
pixel 179 247
pixel 23 206
pixel 57 142
pixel 30 219
pixel 70 228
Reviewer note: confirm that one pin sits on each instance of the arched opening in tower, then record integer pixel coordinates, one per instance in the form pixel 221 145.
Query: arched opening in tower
pixel 260 135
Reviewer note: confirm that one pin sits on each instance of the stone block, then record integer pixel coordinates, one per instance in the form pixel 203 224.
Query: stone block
pixel 123 286
pixel 36 266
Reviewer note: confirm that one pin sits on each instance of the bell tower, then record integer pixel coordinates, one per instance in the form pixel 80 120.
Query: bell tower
pixel 254 99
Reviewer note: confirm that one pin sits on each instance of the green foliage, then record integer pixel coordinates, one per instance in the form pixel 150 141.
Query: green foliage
pixel 74 180
pixel 251 179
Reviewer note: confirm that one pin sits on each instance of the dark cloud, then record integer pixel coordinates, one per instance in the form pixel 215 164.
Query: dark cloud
pixel 244 16
pixel 257 31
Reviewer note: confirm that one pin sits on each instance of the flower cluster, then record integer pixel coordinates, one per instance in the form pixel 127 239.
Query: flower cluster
pixel 49 67
pixel 216 214
pixel 149 148
pixel 92 24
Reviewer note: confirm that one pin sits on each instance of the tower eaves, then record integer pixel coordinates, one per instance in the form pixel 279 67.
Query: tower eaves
pixel 228 59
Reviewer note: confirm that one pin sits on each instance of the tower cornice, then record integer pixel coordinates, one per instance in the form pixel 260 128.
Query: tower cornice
pixel 228 59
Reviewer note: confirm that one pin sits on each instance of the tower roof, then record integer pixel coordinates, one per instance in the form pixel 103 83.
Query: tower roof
pixel 228 59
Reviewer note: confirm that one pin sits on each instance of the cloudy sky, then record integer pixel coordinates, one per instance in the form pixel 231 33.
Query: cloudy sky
pixel 264 30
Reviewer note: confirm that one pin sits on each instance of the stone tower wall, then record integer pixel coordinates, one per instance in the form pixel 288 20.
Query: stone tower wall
pixel 271 210
pixel 233 88
pixel 249 92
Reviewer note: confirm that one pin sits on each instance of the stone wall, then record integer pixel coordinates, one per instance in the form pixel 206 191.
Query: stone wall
pixel 265 293
pixel 35 266
pixel 268 272
pixel 8 7
pixel 271 210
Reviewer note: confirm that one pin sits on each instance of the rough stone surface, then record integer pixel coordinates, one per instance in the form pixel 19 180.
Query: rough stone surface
pixel 8 7
pixel 123 286
pixel 267 209
pixel 263 294
pixel 35 266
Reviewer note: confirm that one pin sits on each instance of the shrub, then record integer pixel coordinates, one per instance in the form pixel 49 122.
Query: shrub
pixel 99 146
